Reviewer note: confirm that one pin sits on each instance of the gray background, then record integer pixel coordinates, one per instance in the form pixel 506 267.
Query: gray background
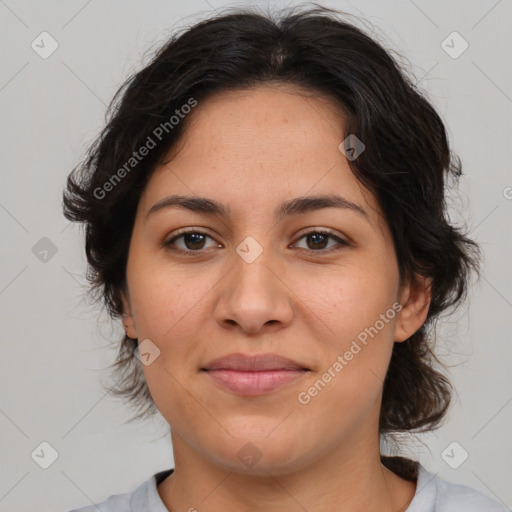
pixel 55 343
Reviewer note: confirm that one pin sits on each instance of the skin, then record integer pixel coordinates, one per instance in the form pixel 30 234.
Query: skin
pixel 251 150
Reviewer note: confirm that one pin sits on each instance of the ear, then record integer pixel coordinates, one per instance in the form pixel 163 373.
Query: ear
pixel 415 296
pixel 128 321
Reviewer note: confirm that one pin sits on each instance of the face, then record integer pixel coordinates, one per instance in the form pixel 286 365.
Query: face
pixel 318 285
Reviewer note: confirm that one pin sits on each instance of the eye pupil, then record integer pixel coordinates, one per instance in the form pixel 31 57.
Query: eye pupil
pixel 194 242
pixel 195 238
pixel 317 239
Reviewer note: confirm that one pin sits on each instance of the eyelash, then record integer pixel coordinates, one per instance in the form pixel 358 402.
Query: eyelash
pixel 342 243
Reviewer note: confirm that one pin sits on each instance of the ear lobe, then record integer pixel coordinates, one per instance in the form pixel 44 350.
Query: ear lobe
pixel 415 300
pixel 128 320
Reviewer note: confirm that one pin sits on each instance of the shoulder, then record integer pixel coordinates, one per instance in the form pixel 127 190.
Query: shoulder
pixel 144 498
pixel 455 497
pixel 115 503
pixel 436 494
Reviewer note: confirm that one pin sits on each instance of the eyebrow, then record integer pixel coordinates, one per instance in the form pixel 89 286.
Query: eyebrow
pixel 295 206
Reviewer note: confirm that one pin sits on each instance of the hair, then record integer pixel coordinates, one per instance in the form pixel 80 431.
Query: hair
pixel 406 164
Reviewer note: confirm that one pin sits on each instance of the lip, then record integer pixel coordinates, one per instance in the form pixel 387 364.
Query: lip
pixel 255 375
pixel 253 363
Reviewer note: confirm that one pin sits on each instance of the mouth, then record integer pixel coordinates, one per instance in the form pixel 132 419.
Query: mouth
pixel 254 375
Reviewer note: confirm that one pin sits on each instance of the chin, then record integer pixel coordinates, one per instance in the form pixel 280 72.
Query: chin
pixel 260 456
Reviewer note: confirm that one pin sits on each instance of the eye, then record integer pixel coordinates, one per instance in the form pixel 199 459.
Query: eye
pixel 319 240
pixel 192 242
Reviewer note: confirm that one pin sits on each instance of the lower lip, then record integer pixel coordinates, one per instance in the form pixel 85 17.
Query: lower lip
pixel 254 383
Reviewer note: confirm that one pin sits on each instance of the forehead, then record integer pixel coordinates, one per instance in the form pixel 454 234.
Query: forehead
pixel 272 119
pixel 252 147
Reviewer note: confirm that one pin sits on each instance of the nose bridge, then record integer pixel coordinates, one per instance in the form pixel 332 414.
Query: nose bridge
pixel 252 262
pixel 253 294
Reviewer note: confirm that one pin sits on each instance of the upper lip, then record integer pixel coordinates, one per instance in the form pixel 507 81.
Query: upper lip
pixel 253 363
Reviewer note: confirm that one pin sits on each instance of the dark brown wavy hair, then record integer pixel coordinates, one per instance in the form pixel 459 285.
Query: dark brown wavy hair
pixel 406 164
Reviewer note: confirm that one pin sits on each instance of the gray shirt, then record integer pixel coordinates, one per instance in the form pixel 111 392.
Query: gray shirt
pixel 432 495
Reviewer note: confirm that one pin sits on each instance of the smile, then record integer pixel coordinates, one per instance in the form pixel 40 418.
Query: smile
pixel 254 383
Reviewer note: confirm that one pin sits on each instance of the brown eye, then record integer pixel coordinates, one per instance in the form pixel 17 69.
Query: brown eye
pixel 317 241
pixel 189 242
pixel 194 240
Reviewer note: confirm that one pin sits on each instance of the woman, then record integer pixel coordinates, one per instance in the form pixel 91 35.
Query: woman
pixel 265 211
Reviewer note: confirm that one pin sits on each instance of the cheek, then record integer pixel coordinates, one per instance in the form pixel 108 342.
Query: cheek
pixel 354 299
pixel 349 383
pixel 181 406
pixel 165 300
pixel 360 309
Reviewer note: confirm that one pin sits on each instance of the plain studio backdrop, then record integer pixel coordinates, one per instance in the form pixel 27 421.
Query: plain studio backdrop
pixel 53 97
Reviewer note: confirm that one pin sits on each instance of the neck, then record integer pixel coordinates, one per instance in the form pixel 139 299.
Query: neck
pixel 342 480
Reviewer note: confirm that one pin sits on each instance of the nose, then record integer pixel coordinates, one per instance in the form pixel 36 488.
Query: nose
pixel 254 296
